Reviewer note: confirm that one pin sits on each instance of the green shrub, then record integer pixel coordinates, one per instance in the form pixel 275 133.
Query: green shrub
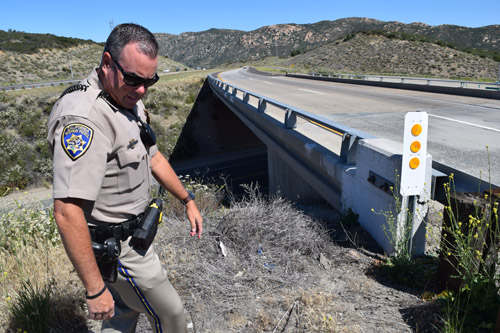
pixel 31 309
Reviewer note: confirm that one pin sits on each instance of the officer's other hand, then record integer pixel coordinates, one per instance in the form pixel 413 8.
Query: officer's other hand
pixel 194 217
pixel 102 307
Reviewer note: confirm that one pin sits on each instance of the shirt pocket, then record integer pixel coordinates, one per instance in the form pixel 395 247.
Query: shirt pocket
pixel 132 168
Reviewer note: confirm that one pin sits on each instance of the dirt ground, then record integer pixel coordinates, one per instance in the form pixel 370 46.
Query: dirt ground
pixel 340 289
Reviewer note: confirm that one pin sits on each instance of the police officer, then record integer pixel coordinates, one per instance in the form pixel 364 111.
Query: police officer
pixel 104 158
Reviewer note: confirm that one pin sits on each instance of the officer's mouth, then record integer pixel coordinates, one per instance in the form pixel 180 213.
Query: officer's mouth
pixel 132 99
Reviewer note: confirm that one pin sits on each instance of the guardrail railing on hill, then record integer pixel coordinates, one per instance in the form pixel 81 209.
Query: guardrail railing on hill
pixel 350 136
pixel 38 85
pixel 406 79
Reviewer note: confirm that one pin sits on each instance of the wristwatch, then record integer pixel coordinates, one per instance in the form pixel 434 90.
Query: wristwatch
pixel 188 198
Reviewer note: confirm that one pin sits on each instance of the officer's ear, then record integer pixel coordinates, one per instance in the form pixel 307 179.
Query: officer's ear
pixel 106 62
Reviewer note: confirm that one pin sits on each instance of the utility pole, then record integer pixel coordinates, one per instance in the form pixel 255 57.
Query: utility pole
pixel 111 24
pixel 276 54
pixel 70 68
pixel 69 59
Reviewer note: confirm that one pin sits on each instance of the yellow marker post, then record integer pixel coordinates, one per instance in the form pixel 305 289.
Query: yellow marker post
pixel 413 168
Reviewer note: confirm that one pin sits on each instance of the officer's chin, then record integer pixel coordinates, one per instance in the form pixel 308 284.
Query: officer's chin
pixel 129 102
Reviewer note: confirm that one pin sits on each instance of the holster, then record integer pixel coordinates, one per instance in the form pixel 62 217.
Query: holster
pixel 106 255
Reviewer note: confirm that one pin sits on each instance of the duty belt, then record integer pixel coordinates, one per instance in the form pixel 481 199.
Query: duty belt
pixel 120 231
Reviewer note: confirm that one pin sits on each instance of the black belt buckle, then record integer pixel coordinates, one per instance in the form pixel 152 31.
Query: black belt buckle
pixel 120 231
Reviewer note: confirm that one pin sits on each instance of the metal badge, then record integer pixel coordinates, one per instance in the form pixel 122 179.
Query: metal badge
pixel 132 143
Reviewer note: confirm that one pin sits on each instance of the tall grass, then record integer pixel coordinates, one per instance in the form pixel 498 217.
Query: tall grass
pixel 34 269
pixel 471 245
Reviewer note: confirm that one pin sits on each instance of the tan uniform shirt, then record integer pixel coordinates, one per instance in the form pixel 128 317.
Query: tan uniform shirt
pixel 98 154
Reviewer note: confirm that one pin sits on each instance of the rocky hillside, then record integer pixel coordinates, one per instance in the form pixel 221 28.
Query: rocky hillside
pixel 54 64
pixel 218 46
pixel 382 48
pixel 378 54
pixel 29 58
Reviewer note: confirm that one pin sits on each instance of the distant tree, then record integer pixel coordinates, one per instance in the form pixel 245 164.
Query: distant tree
pixel 296 52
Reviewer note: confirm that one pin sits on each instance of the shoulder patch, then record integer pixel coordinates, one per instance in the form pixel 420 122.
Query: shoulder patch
pixel 76 139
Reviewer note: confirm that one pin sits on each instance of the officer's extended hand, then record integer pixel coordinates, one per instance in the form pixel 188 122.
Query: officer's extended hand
pixel 194 217
pixel 102 307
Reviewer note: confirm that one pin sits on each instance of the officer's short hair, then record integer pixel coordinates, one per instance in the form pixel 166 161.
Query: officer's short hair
pixel 126 33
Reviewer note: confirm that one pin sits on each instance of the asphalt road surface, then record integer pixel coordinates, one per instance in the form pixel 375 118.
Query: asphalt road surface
pixel 464 132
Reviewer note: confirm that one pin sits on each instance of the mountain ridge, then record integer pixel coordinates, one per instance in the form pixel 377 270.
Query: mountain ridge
pixel 445 51
pixel 218 46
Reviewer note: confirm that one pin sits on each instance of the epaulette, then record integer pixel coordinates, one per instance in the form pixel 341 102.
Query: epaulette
pixel 105 96
pixel 73 88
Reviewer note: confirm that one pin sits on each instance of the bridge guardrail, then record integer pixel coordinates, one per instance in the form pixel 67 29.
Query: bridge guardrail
pixel 406 79
pixel 350 136
pixel 359 177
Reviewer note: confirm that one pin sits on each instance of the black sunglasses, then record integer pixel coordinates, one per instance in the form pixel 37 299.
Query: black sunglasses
pixel 132 79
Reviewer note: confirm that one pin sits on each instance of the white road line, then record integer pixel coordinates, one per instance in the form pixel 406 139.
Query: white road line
pixel 267 82
pixel 312 91
pixel 464 122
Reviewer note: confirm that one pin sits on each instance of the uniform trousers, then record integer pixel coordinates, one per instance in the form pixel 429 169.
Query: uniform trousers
pixel 142 286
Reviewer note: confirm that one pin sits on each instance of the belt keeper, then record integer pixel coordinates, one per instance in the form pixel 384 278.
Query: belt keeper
pixel 125 231
pixel 96 295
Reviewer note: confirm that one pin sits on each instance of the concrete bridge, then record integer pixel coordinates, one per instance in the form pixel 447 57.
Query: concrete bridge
pixel 248 136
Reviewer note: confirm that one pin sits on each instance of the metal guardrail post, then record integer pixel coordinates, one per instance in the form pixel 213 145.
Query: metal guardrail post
pixel 348 148
pixel 290 119
pixel 246 97
pixel 262 105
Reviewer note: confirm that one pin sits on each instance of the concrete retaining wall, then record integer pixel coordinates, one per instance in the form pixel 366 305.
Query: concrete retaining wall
pixel 366 189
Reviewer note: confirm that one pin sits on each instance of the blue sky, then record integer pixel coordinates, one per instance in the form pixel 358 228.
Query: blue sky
pixel 91 19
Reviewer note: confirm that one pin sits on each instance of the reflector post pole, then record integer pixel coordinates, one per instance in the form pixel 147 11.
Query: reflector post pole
pixel 413 168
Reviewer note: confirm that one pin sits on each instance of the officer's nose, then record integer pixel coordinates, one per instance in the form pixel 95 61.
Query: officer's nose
pixel 141 90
